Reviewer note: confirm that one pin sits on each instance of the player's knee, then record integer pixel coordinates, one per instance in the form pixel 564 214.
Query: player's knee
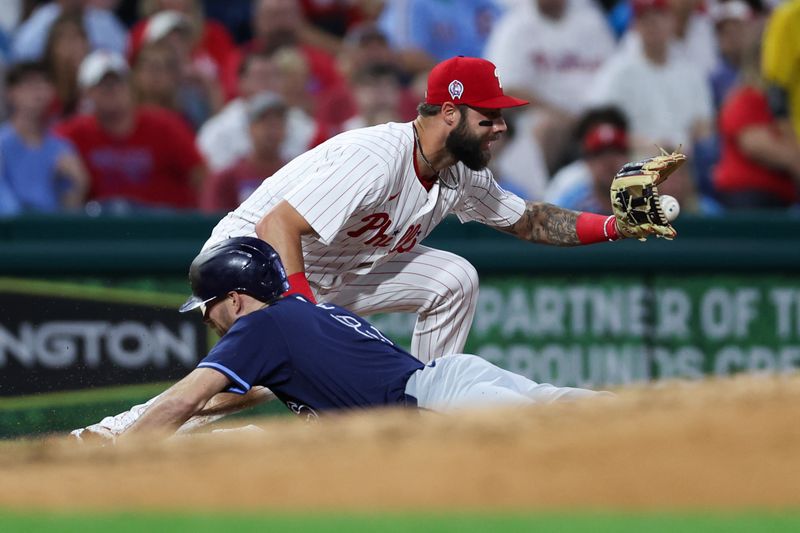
pixel 464 279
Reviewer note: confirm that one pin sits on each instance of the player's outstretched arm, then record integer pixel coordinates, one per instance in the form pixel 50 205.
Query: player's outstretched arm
pixel 180 402
pixel 546 224
pixel 634 199
pixel 217 407
pixel 226 403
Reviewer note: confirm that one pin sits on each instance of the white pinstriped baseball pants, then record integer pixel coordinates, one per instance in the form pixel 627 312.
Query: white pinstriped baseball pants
pixel 440 287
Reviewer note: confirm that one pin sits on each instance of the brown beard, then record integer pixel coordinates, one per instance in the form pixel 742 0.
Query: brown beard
pixel 466 147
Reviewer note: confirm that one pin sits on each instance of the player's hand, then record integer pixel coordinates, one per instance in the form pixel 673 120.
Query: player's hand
pixel 95 435
pixel 635 200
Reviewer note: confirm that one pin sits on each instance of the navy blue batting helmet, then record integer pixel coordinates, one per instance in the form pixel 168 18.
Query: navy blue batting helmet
pixel 242 264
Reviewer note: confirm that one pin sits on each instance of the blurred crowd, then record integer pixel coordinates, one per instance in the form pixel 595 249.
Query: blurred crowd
pixel 115 106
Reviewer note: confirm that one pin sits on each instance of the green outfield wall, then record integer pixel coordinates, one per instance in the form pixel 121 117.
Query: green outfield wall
pixel 610 330
pixel 124 247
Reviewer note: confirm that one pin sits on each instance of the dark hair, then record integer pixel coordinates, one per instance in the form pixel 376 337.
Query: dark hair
pixel 21 72
pixel 65 83
pixel 68 18
pixel 428 110
pixel 600 115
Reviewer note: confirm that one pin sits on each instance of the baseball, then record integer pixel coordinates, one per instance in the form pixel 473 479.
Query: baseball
pixel 670 206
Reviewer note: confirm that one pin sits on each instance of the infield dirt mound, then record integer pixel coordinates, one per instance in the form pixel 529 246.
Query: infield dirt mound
pixel 714 444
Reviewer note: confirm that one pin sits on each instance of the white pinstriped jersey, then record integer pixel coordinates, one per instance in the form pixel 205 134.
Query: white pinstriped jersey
pixel 360 193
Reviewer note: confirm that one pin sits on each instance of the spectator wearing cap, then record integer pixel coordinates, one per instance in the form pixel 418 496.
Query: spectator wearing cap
pixel 736 30
pixel 224 138
pixel 141 156
pixel 105 31
pixel 266 116
pixel 198 90
pixel 42 172
pixel 602 134
pixel 155 78
pixel 211 47
pixel 667 101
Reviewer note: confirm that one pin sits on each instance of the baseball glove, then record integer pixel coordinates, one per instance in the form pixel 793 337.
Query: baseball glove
pixel 635 199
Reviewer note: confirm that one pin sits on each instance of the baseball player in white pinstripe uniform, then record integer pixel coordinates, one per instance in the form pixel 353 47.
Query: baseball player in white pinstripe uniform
pixel 348 216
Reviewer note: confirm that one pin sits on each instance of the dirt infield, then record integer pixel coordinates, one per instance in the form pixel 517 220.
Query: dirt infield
pixel 723 444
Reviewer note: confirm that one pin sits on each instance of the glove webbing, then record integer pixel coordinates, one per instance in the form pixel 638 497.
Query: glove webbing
pixel 652 213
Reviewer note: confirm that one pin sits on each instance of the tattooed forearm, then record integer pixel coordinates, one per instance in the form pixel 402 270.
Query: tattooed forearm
pixel 546 224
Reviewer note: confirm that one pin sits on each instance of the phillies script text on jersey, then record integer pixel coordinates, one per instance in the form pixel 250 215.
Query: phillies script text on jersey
pixel 381 222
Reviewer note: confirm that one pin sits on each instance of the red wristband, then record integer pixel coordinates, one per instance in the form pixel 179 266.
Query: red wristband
pixel 593 228
pixel 298 284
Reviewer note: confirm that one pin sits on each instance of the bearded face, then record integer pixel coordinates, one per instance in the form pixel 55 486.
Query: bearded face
pixel 467 147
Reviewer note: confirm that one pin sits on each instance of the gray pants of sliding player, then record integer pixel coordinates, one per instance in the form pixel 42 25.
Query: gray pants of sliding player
pixel 464 381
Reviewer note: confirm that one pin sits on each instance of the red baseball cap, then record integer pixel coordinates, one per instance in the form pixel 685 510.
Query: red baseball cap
pixel 468 80
pixel 605 137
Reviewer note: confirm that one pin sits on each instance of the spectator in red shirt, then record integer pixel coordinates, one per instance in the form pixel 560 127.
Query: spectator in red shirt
pixel 266 115
pixel 759 165
pixel 143 156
